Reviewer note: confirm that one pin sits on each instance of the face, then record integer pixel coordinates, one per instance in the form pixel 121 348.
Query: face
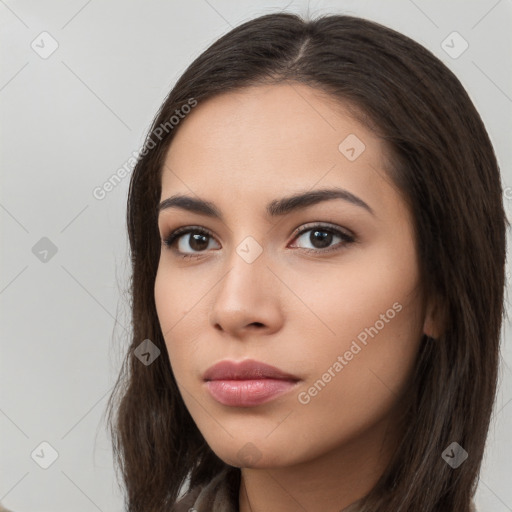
pixel 326 289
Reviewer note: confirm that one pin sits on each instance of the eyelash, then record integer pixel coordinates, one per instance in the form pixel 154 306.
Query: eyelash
pixel 347 239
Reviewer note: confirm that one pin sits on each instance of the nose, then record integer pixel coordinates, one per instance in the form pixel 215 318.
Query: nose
pixel 248 299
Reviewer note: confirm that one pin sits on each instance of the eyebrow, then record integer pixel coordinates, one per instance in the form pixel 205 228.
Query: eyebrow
pixel 275 208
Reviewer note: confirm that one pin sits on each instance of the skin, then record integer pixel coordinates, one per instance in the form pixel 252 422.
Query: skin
pixel 290 308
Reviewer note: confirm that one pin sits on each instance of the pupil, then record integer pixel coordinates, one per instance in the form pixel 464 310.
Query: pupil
pixel 322 237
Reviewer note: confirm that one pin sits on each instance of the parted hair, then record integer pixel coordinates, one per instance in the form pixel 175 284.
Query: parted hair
pixel 441 160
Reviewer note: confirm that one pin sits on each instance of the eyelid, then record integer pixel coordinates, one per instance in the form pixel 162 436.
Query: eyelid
pixel 183 230
pixel 346 236
pixel 321 225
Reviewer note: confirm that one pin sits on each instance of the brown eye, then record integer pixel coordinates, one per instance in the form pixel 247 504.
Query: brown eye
pixel 188 241
pixel 321 238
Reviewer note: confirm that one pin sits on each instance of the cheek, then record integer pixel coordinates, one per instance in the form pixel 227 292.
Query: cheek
pixel 167 291
pixel 171 307
pixel 343 397
pixel 369 312
pixel 179 295
pixel 344 302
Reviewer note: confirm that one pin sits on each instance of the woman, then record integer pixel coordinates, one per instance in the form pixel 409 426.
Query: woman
pixel 318 250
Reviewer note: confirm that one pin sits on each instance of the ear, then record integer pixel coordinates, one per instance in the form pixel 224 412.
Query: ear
pixel 434 324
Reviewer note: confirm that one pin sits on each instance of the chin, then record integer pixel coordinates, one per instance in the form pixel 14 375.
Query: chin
pixel 251 455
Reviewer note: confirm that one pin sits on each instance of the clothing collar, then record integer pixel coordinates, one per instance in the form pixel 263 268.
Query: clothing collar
pixel 221 494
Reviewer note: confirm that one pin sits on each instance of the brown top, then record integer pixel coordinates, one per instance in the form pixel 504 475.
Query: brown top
pixel 221 495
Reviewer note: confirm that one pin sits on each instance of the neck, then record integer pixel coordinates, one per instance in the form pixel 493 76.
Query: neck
pixel 331 482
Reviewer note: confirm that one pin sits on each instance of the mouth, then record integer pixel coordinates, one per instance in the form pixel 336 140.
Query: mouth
pixel 248 383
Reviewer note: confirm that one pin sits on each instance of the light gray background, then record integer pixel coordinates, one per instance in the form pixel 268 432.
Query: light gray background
pixel 69 121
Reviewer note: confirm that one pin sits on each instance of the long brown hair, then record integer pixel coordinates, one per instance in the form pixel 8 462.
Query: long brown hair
pixel 441 160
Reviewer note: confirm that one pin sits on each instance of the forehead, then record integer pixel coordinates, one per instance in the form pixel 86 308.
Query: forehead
pixel 268 139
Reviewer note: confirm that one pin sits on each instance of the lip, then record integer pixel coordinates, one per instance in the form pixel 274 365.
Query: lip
pixel 248 369
pixel 247 383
